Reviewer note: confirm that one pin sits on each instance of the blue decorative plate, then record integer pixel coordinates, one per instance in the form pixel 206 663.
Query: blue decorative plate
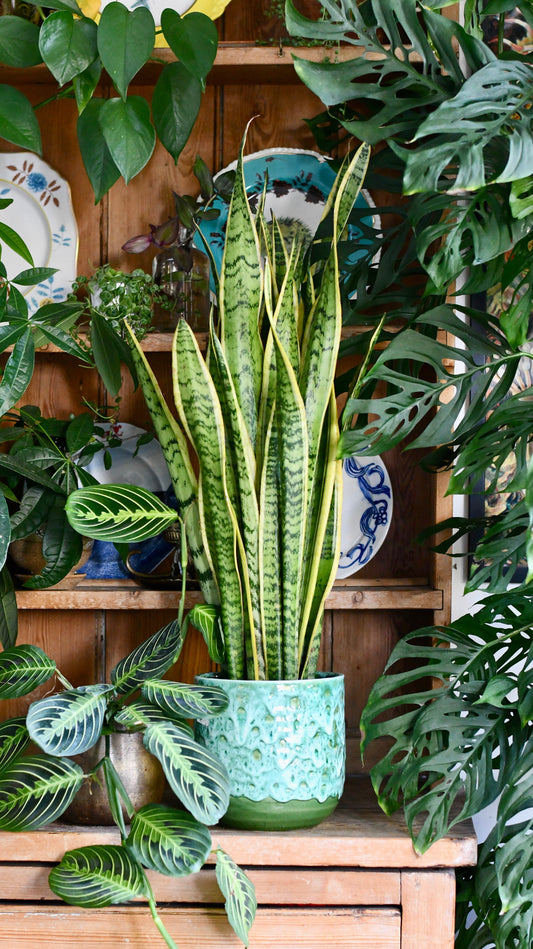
pixel 366 512
pixel 42 214
pixel 298 185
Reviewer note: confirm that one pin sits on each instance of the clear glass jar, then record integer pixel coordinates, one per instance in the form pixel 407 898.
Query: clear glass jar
pixel 182 273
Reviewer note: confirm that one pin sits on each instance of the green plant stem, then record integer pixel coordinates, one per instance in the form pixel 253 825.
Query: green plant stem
pixel 155 915
pixel 66 93
pixel 64 681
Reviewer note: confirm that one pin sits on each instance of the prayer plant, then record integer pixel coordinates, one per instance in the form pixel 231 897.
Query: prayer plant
pixel 37 784
pixel 456 133
pixel 262 519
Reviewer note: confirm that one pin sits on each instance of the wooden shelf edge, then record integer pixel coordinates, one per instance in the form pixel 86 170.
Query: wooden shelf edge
pixel 358 834
pixel 127 595
pixel 236 61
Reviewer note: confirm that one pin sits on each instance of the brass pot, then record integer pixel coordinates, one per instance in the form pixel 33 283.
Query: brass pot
pixel 141 774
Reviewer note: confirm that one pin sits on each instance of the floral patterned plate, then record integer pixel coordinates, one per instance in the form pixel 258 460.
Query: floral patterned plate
pixel 366 512
pixel 298 185
pixel 42 214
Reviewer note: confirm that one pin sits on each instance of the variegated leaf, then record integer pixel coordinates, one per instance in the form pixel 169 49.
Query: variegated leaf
pixel 97 876
pixel 153 657
pixel 70 722
pixel 206 618
pixel 168 840
pixel 22 669
pixel 35 790
pixel 118 512
pixel 197 778
pixel 190 701
pixel 140 714
pixel 239 892
pixel 14 739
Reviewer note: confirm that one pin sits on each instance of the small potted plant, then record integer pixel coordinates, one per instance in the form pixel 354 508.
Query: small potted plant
pixel 152 715
pixel 262 519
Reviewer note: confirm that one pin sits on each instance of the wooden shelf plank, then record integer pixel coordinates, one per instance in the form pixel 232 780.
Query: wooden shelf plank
pixel 357 835
pixel 236 62
pixel 128 595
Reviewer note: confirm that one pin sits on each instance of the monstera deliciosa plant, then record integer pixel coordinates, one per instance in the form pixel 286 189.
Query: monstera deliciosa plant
pixel 116 135
pixel 262 519
pixel 457 133
pixel 36 788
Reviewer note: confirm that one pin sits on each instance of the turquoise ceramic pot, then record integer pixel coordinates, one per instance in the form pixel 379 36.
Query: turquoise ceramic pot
pixel 283 744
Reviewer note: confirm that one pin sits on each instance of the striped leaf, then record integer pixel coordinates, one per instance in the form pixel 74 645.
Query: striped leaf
pixel 97 876
pixel 206 618
pixel 270 556
pixel 322 539
pixel 140 714
pixel 168 840
pixel 22 669
pixel 320 346
pixel 14 739
pixel 243 465
pixel 153 657
pixel 119 513
pixel 292 443
pixel 199 409
pixel 196 777
pixel 239 893
pixel 189 701
pixel 5 530
pixel 35 790
pixel 176 452
pixel 70 722
pixel 240 293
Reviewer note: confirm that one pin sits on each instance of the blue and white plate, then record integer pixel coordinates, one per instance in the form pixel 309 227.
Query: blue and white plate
pixel 42 214
pixel 366 512
pixel 298 185
pixel 146 467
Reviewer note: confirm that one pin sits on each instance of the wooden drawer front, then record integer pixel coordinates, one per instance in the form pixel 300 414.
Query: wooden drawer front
pixel 297 887
pixel 24 927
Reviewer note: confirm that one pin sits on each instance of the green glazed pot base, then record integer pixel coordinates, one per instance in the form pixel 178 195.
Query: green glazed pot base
pixel 269 814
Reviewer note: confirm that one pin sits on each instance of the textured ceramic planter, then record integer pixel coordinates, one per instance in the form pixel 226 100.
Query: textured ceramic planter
pixel 283 744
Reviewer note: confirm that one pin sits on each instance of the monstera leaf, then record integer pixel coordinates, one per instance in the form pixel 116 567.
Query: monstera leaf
pixel 445 742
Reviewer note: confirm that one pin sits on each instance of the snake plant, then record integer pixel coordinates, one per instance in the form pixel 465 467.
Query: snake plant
pixel 36 788
pixel 262 517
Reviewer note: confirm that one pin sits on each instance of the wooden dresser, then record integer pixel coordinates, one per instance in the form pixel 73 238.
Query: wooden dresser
pixel 353 882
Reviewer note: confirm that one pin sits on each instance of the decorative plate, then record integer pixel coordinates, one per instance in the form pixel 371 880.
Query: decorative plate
pixel 366 512
pixel 211 8
pixel 42 214
pixel 298 185
pixel 147 468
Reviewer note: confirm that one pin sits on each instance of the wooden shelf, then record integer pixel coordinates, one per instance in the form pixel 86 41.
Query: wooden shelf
pixel 405 594
pixel 358 834
pixel 235 63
